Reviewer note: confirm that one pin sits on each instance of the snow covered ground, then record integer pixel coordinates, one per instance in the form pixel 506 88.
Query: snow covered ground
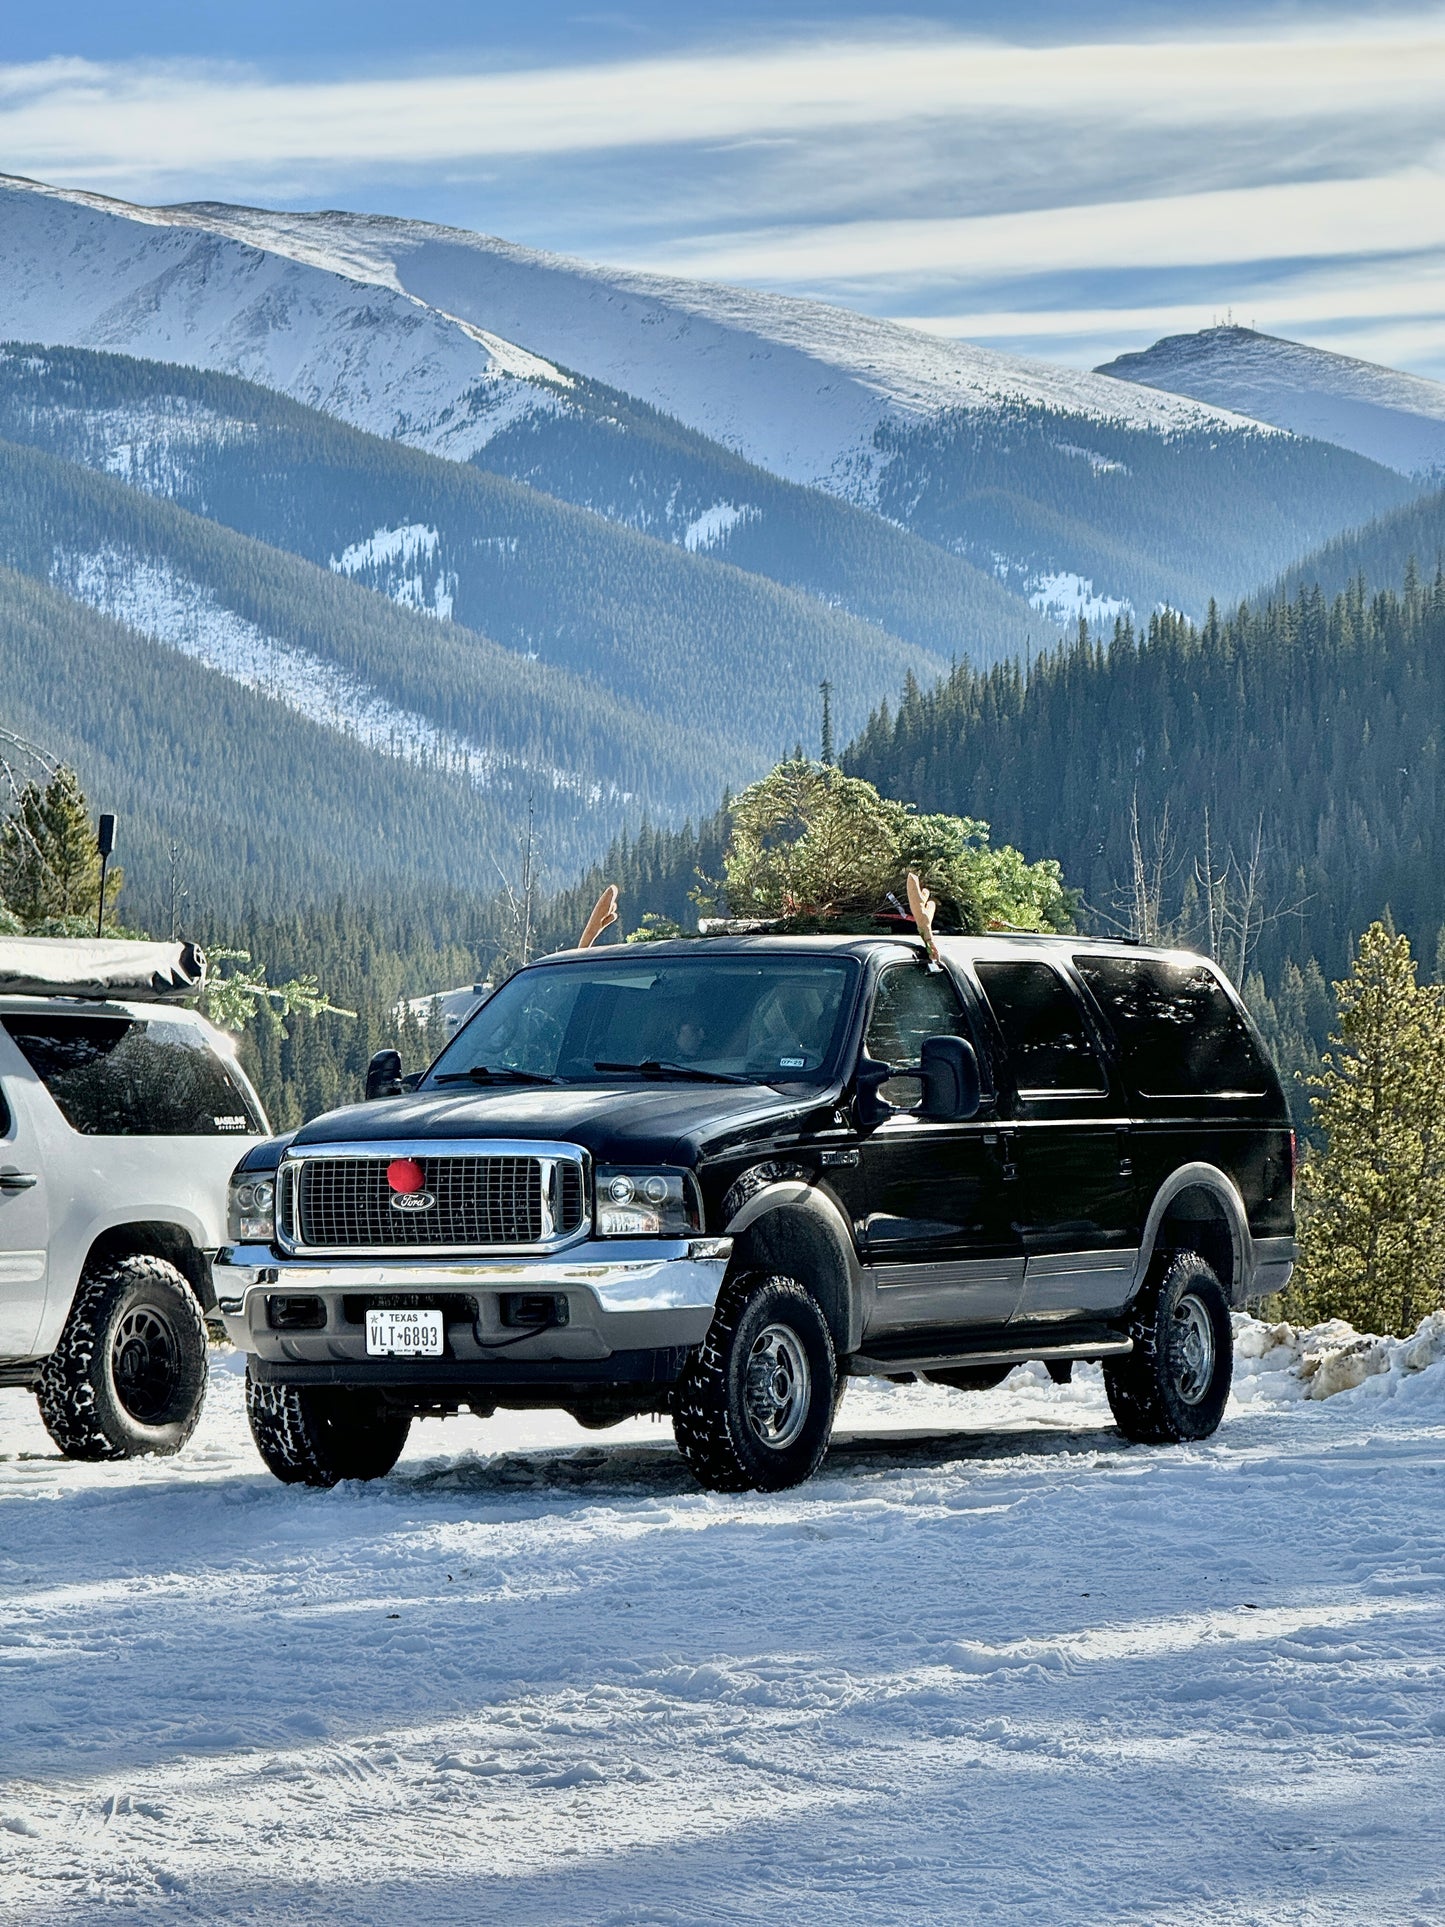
pixel 992 1664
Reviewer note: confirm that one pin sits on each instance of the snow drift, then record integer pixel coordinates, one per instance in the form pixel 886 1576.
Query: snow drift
pixel 1322 1361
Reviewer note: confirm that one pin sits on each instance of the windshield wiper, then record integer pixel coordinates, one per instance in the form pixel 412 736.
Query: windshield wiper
pixel 479 1074
pixel 652 1067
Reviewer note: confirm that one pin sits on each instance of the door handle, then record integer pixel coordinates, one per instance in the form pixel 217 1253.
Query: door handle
pixel 1002 1144
pixel 18 1180
pixel 1126 1160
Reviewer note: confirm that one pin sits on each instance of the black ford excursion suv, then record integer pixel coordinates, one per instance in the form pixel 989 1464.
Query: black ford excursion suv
pixel 713 1177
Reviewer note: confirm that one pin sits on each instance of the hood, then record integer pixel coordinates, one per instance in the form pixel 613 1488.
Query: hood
pixel 661 1122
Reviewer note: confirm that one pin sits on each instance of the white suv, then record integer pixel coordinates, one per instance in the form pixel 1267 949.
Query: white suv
pixel 121 1117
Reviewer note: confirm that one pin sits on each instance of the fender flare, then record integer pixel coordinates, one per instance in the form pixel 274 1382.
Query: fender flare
pixel 790 1211
pixel 1225 1193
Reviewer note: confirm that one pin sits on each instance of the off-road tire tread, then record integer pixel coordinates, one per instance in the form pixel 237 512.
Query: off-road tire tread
pixel 66 1391
pixel 288 1444
pixel 701 1420
pixel 1134 1383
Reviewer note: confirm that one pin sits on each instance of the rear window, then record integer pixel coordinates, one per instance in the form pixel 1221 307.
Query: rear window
pixel 1179 1032
pixel 133 1077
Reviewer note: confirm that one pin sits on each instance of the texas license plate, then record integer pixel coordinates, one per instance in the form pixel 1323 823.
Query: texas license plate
pixel 403 1334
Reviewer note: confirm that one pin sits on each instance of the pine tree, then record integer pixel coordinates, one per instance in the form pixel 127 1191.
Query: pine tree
pixel 1373 1199
pixel 49 863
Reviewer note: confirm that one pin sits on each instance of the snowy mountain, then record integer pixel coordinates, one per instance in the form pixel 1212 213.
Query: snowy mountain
pixel 628 392
pixel 1394 418
pixel 87 271
pixel 797 386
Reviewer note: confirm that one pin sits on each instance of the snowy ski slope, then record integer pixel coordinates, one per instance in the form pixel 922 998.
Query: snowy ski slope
pixel 992 1664
pixel 1394 418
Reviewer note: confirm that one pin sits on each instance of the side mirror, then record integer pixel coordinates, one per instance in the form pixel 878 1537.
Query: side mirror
pixel 952 1086
pixel 872 1076
pixel 383 1075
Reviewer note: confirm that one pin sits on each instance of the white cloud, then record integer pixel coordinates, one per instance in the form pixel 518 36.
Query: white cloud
pixel 72 119
pixel 1300 220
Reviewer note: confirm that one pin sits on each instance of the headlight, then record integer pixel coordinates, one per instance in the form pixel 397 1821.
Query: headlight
pixel 647 1204
pixel 251 1218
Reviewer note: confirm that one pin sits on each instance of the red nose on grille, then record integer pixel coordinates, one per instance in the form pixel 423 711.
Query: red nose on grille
pixel 405 1175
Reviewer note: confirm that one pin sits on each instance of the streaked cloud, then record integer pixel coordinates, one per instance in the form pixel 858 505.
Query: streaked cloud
pixel 1298 220
pixel 100 118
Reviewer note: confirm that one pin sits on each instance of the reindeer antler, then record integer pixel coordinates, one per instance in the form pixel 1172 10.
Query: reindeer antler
pixel 604 913
pixel 921 903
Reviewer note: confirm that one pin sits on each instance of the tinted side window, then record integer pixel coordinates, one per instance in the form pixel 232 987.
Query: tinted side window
pixel 1048 1042
pixel 121 1077
pixel 1179 1033
pixel 4 1116
pixel 911 1003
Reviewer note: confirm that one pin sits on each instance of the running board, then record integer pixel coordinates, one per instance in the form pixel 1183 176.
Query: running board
pixel 883 1364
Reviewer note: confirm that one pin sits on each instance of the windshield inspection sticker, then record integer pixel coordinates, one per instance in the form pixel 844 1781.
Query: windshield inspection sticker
pixel 792 1063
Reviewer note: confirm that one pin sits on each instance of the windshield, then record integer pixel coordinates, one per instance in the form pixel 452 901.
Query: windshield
pixel 768 1020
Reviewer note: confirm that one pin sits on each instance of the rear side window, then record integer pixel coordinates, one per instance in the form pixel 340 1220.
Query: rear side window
pixel 132 1077
pixel 1179 1032
pixel 1048 1041
pixel 4 1116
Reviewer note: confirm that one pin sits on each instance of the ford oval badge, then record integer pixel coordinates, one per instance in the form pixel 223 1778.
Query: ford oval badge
pixel 412 1201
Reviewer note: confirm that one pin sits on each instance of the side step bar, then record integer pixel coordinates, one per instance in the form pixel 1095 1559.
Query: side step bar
pixel 875 1365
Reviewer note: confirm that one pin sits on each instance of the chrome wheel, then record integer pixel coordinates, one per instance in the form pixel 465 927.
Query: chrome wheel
pixel 145 1364
pixel 1193 1349
pixel 778 1387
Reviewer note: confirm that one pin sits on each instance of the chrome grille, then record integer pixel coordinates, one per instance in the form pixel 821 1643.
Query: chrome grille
pixel 489 1200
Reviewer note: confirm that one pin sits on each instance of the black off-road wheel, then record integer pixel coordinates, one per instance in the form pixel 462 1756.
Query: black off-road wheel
pixel 754 1408
pixel 321 1434
pixel 1174 1384
pixel 129 1374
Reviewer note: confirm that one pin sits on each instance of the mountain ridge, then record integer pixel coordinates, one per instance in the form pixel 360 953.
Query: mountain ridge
pixel 1383 413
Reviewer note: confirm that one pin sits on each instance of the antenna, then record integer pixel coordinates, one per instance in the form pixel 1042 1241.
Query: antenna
pixel 105 844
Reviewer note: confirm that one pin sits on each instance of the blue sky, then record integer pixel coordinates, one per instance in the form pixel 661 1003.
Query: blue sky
pixel 1059 180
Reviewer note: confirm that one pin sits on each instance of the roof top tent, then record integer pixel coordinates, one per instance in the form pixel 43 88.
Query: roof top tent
pixel 99 968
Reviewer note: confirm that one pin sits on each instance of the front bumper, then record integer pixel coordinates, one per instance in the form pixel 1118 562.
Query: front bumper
pixel 625 1300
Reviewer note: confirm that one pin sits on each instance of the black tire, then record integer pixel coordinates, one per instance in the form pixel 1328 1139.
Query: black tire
pixel 753 1411
pixel 1175 1383
pixel 321 1434
pixel 129 1374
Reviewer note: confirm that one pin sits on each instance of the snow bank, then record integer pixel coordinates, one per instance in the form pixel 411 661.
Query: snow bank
pixel 1283 1361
